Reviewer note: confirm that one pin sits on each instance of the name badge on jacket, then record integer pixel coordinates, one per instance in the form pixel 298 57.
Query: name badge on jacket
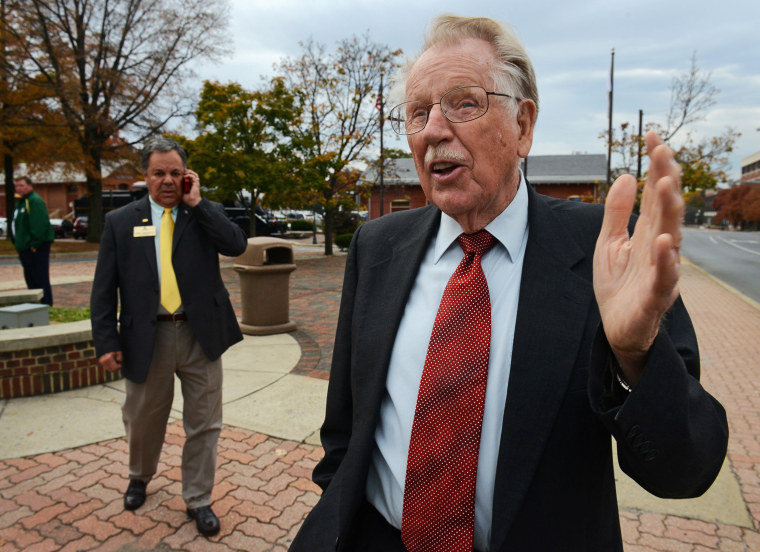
pixel 144 231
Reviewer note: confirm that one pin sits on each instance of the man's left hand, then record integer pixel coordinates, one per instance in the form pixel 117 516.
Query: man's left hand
pixel 636 278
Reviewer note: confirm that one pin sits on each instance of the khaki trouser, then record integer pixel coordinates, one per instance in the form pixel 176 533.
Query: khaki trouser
pixel 147 405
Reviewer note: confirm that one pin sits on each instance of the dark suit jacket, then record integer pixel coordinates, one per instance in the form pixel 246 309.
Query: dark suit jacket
pixel 127 265
pixel 555 486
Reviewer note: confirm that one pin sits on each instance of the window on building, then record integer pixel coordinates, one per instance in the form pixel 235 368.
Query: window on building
pixel 399 205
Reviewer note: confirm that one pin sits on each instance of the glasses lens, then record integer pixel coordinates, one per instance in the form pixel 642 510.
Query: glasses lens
pixel 464 104
pixel 408 117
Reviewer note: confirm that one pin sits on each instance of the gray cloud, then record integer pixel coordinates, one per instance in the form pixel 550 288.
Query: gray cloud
pixel 569 43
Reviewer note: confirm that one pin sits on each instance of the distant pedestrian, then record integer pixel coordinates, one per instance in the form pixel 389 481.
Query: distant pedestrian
pixel 32 236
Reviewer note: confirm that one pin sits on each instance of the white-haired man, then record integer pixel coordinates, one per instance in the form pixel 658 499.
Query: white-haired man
pixel 490 344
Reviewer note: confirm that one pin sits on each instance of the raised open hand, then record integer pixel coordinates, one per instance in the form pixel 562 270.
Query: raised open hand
pixel 636 278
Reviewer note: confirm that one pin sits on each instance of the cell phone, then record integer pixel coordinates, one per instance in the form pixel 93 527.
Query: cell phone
pixel 187 183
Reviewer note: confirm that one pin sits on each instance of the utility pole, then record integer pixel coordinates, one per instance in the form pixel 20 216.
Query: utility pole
pixel 609 119
pixel 641 140
pixel 381 102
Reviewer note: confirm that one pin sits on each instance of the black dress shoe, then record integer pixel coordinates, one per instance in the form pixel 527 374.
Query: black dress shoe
pixel 205 520
pixel 135 495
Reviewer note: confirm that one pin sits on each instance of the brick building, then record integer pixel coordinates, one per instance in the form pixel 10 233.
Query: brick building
pixel 566 176
pixel 62 184
pixel 563 176
pixel 751 169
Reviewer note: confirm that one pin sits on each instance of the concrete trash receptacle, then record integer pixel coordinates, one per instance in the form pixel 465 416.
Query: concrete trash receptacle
pixel 264 270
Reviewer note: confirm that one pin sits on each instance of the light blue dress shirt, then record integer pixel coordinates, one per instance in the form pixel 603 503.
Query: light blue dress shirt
pixel 502 266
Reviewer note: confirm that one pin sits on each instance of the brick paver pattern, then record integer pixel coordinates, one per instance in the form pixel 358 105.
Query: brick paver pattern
pixel 72 500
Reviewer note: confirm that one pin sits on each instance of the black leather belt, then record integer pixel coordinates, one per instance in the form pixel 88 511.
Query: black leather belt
pixel 176 317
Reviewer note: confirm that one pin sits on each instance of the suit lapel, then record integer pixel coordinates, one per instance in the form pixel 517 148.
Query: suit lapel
pixel 143 217
pixel 390 278
pixel 183 219
pixel 553 305
pixel 387 270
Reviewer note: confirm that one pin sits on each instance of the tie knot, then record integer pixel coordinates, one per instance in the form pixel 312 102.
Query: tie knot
pixel 168 210
pixel 478 243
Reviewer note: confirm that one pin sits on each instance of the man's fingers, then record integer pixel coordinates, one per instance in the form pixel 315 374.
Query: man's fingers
pixel 111 361
pixel 668 263
pixel 669 210
pixel 662 164
pixel 618 208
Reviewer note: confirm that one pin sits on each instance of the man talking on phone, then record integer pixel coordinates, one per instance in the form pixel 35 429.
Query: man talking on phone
pixel 159 262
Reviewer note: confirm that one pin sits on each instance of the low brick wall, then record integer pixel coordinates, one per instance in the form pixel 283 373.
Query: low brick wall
pixel 48 359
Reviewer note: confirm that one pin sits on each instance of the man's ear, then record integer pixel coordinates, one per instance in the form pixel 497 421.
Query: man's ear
pixel 526 120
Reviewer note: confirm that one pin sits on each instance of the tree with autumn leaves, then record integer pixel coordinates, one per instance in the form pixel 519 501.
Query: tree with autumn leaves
pixel 297 142
pixel 739 205
pixel 245 145
pixel 704 161
pixel 336 92
pixel 25 113
pixel 110 68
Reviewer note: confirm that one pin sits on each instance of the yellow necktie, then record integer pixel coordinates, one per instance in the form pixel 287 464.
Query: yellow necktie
pixel 169 291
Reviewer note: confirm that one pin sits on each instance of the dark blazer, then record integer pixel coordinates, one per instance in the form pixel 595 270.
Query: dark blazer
pixel 555 486
pixel 128 264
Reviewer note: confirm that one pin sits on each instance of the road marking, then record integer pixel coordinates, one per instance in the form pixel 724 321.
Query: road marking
pixel 730 242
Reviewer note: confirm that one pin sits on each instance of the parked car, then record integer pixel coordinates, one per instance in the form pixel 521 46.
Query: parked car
pixel 80 228
pixel 3 226
pixel 273 225
pixel 62 228
pixel 266 223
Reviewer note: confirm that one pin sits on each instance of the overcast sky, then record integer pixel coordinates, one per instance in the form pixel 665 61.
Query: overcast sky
pixel 569 43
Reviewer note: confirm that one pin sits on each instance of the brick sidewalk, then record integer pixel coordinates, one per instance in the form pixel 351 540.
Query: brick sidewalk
pixel 72 500
pixel 727 329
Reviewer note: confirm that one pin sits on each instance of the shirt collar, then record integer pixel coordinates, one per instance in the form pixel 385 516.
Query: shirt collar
pixel 508 227
pixel 156 209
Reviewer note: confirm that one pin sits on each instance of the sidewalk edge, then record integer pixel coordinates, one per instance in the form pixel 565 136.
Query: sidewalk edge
pixel 726 286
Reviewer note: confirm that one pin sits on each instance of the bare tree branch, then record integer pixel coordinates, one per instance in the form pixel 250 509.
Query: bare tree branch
pixel 691 96
pixel 116 66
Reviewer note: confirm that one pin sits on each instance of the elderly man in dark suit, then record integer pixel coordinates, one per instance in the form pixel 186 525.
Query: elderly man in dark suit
pixel 160 256
pixel 490 344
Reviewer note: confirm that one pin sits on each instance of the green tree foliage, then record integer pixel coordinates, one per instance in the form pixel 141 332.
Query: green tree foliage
pixel 694 199
pixel 705 162
pixel 397 153
pixel 115 65
pixel 244 142
pixel 336 92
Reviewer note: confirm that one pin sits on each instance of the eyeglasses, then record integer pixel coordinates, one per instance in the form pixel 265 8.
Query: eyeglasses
pixel 458 106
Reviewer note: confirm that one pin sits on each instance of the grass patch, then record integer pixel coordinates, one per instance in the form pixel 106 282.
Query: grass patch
pixel 61 315
pixel 68 246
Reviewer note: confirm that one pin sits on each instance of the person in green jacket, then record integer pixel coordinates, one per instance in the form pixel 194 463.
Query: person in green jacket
pixel 32 236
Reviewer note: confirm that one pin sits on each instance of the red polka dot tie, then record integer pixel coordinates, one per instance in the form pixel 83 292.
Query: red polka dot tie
pixel 439 494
